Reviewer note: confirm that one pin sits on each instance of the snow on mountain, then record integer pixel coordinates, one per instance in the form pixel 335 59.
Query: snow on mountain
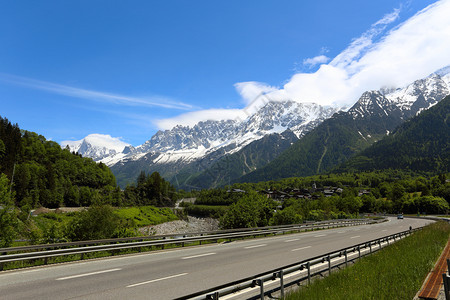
pixel 185 143
pixel 407 101
pixel 96 146
pixel 372 103
pixel 171 150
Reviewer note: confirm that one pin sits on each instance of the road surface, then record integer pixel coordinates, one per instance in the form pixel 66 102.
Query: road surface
pixel 174 273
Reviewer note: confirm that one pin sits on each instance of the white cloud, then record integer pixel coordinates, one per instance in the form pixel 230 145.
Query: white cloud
pixel 311 62
pixel 378 58
pixel 252 90
pixel 253 93
pixel 65 90
pixel 360 45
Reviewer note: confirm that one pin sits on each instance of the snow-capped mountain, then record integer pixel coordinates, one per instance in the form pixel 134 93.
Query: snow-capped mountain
pixel 370 119
pixel 405 102
pixel 274 117
pixel 199 147
pixel 96 146
pixel 185 143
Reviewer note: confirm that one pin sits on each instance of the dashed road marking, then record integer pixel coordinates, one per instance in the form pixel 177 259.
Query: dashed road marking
pixel 293 240
pixel 255 246
pixel 88 274
pixel 302 248
pixel 200 255
pixel 155 280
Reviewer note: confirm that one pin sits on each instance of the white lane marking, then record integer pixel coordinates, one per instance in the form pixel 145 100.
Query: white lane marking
pixel 356 236
pixel 155 280
pixel 301 248
pixel 255 246
pixel 293 240
pixel 384 230
pixel 30 271
pixel 319 235
pixel 200 255
pixel 340 232
pixel 88 274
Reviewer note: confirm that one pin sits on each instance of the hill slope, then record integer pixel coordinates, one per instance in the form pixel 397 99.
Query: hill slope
pixel 43 174
pixel 420 144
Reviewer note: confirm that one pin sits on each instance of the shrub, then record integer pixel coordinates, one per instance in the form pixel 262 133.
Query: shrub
pixel 98 222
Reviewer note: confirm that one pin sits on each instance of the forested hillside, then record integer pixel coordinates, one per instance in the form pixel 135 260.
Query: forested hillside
pixel 420 144
pixel 43 174
pixel 37 173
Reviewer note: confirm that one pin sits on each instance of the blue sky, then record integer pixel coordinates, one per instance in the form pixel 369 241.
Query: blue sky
pixel 129 68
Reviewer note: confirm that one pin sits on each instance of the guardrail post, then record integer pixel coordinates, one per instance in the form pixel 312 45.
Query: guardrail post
pixel 308 265
pixel 359 252
pixel 260 283
pixel 329 265
pixel 281 275
pixel 214 296
pixel 370 247
pixel 346 259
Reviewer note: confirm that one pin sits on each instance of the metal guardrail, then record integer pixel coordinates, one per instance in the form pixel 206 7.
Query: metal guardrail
pixel 62 249
pixel 167 236
pixel 303 268
pixel 433 218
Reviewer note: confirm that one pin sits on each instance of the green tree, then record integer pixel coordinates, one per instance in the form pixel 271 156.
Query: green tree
pixel 2 149
pixel 8 216
pixel 286 216
pixel 98 222
pixel 252 210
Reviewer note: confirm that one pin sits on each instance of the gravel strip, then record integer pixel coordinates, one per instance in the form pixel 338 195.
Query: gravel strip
pixel 174 227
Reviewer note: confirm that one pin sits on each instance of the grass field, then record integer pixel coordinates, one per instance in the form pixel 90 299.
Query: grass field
pixel 146 215
pixel 396 272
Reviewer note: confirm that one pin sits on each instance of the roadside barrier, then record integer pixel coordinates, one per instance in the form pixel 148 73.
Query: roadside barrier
pixel 261 285
pixel 36 252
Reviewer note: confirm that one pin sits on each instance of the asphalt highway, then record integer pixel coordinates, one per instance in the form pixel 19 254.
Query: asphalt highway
pixel 174 273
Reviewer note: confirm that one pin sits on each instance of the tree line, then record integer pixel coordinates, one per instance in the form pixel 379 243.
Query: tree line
pixel 43 174
pixel 388 191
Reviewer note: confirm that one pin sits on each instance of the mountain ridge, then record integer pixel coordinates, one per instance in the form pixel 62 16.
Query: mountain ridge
pixel 206 142
pixel 420 144
pixel 336 139
pixel 184 153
